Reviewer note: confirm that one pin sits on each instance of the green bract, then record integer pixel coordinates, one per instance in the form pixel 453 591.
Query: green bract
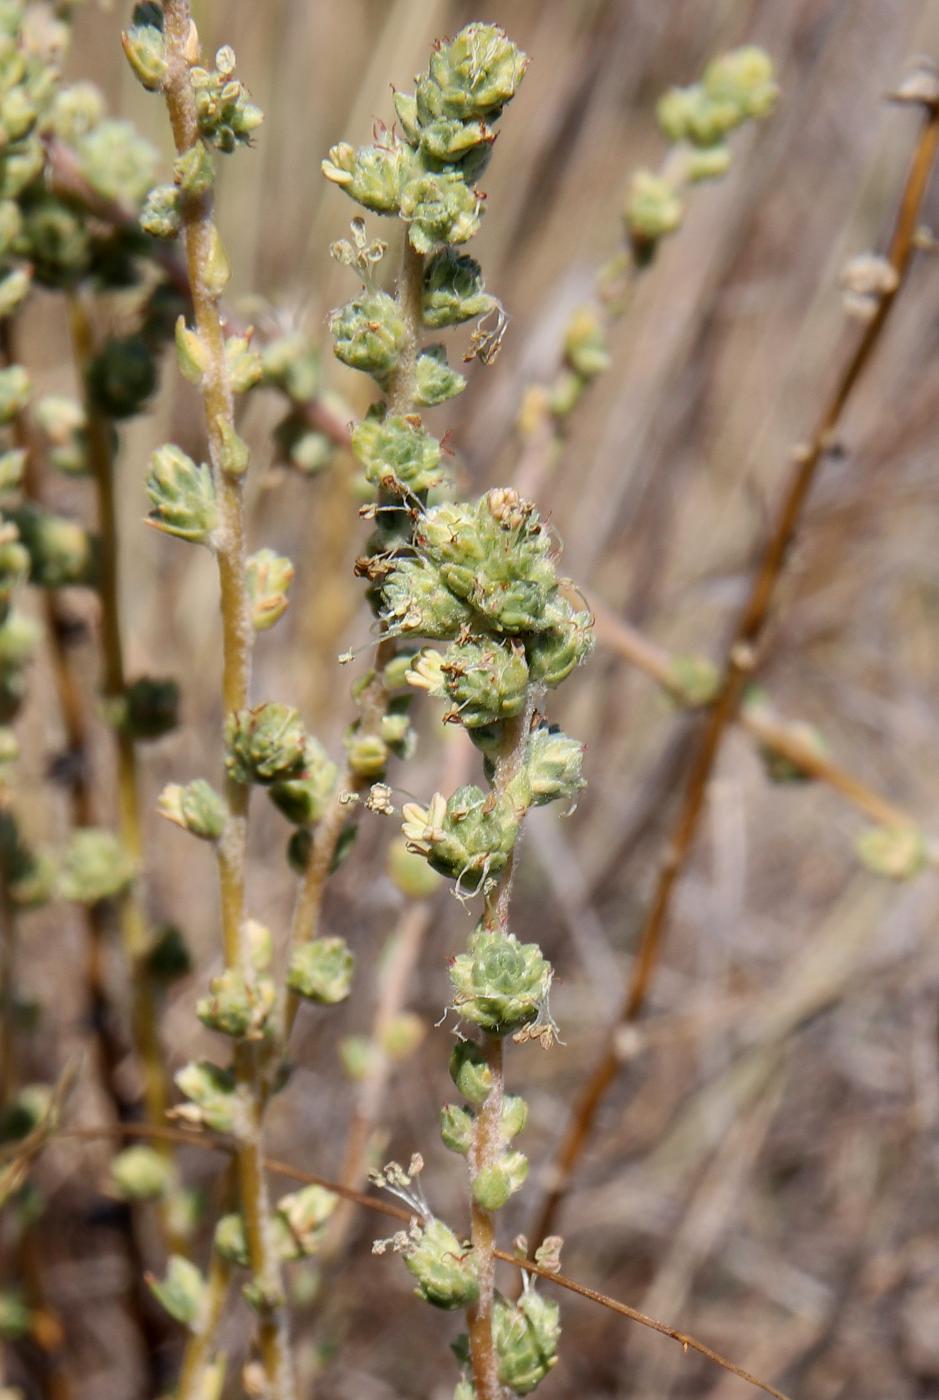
pixel 182 495
pixel 500 984
pixel 526 1335
pixel 303 799
pixel 465 836
pixel 454 290
pixel 444 1268
pixel 265 744
pixel 369 333
pixel 322 970
pixel 397 453
pixel 554 765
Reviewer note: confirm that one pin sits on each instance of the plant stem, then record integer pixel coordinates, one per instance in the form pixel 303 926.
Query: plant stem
pixel 373 703
pixel 199 1348
pixel 740 662
pixel 199 237
pixel 135 930
pixel 484 1152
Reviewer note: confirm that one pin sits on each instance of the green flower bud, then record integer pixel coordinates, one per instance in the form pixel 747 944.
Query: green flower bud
pixel 396 732
pixel 302 447
pixel 213 1099
pixel 192 354
pixel 554 765
pixel 216 268
pixel 76 110
pixel 11 224
pixel 60 551
pixel 181 1292
pixel 475 74
pixel 497 555
pixel 168 958
pixel 182 495
pixel 291 363
pixel 227 118
pixel 22 165
pixel 402 1035
pixel 122 376
pixel 143 45
pixel 470 1072
pixel 12 466
pixel 500 984
pixel 265 744
pixel 95 866
pixel 486 682
pixel 366 754
pixel 269 576
pixel 435 381
pixel 745 78
pixel 653 209
pixel 359 1056
pixel 321 970
pixel 148 709
pixel 194 170
pixel 160 215
pixel 397 453
pixel 493 1185
pixel 196 808
pixel 449 140
pixel 444 1268
pixel 305 798
pixel 453 290
pixel 17 114
pixel 62 422
pixel 237 1006
pixel 243 364
pixel 369 334
pixel 707 163
pixel 456 1128
pixel 694 680
pixel 411 873
pixel 19 638
pixel 117 162
pixel 514 1116
pixel 416 601
pixel 15 389
pixel 897 852
pixel 439 208
pixel 554 653
pixel 372 175
pixel 140 1173
pixel 306 1214
pixel 585 343
pixel 230 1240
pixel 526 1336
pixel 463 837
pixel 14 288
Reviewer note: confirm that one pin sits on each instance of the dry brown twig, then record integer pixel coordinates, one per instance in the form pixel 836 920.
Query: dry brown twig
pixel 740 663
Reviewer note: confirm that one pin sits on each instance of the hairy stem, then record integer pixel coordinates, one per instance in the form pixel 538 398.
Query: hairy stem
pixel 741 659
pixel 199 236
pixel 373 702
pixel 484 1152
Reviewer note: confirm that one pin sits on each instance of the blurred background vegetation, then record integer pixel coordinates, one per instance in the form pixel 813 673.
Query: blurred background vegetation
pixel 764 1171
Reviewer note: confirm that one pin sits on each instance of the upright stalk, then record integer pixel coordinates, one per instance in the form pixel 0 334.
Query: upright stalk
pixel 741 660
pixel 134 925
pixel 373 702
pixel 201 243
pixel 485 1152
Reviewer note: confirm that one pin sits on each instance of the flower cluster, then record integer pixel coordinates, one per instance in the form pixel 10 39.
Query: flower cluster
pixel 479 579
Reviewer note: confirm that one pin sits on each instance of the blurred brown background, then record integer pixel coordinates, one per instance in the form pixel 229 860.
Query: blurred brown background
pixel 764 1174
